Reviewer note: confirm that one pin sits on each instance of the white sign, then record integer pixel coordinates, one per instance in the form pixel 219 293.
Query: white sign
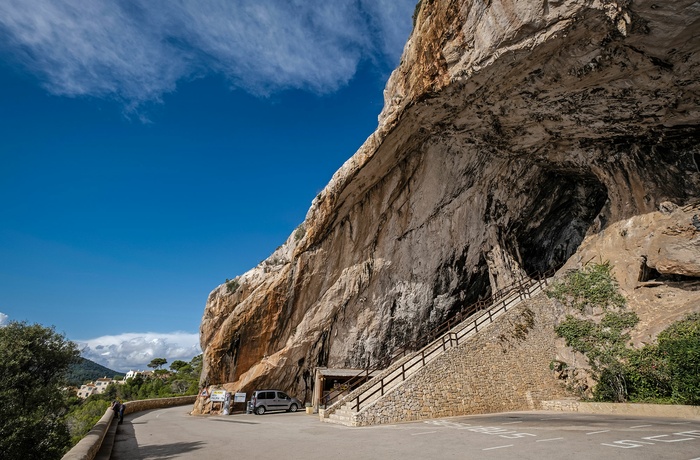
pixel 218 396
pixel 239 397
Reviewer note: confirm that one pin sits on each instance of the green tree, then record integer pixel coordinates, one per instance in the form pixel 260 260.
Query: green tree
pixel 157 363
pixel 177 365
pixel 33 362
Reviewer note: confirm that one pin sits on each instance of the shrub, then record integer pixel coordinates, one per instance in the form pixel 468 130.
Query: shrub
pixel 603 343
pixel 592 286
pixel 232 285
pixel 669 370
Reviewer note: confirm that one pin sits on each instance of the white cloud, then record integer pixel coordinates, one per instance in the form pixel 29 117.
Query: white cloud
pixel 137 51
pixel 135 350
pixel 3 319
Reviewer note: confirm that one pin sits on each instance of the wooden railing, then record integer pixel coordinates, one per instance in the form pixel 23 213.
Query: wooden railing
pixel 435 342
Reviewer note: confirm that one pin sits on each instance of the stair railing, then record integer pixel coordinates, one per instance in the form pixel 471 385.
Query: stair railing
pixel 437 340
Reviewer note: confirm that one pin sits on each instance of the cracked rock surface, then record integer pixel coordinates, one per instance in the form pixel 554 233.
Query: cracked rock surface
pixel 517 137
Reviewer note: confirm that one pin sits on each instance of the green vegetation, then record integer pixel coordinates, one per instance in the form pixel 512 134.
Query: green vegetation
pixel 299 232
pixel 416 11
pixel 593 286
pixel 667 371
pixel 593 290
pixel 84 415
pixel 85 370
pixel 33 363
pixel 232 285
pixel 39 419
pixel 184 380
pixel 157 363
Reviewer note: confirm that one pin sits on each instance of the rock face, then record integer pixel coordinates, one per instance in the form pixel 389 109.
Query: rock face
pixel 512 131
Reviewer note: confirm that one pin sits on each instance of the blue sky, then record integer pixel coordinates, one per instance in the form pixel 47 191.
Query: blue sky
pixel 149 150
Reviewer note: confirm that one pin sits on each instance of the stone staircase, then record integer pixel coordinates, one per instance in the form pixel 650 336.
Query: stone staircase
pixel 345 410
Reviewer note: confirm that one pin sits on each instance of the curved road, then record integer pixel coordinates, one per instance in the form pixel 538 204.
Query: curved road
pixel 173 434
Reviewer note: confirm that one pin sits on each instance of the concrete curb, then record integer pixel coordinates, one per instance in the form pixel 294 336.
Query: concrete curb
pixel 645 410
pixel 90 445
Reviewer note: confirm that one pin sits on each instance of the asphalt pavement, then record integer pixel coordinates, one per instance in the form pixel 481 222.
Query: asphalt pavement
pixel 174 434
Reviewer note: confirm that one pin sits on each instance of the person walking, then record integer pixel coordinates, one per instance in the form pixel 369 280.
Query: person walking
pixel 118 409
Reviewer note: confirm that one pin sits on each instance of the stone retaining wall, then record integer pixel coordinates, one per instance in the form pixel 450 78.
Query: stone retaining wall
pixel 159 403
pixel 505 367
pixel 646 410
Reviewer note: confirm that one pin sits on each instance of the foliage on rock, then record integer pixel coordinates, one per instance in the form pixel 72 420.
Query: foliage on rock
pixel 603 342
pixel 668 370
pixel 592 286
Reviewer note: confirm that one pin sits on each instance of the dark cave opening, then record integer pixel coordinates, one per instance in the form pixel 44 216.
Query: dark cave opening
pixel 554 224
pixel 647 273
pixel 464 284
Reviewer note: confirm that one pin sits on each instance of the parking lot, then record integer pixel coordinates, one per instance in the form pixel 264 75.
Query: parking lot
pixel 172 433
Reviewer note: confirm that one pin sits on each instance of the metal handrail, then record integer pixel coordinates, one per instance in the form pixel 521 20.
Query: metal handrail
pixel 440 334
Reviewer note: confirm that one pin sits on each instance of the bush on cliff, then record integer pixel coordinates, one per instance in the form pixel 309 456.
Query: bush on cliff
pixel 667 371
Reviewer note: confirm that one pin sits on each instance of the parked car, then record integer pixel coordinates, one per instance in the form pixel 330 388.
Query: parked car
pixel 267 400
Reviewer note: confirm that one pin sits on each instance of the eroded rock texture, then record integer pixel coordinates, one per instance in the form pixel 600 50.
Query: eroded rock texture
pixel 512 130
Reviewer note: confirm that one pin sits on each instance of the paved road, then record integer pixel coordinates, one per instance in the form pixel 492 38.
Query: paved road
pixel 173 434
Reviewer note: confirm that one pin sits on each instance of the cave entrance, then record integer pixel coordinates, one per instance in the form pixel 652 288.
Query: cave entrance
pixel 553 226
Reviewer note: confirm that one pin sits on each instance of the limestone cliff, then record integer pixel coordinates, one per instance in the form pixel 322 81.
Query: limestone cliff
pixel 511 132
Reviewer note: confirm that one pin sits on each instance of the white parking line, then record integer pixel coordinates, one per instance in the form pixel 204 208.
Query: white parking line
pixel 640 426
pixel 596 432
pixel 425 432
pixel 547 440
pixel 510 423
pixel 498 447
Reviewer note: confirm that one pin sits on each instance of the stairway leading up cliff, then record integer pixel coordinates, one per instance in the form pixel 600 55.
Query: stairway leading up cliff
pixel 349 409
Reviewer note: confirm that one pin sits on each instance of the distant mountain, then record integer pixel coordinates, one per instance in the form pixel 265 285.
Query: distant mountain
pixel 85 370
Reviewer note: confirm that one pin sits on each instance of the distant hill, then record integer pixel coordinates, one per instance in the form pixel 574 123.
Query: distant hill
pixel 85 370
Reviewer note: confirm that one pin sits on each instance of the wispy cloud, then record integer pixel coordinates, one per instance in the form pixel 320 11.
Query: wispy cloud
pixel 135 350
pixel 4 319
pixel 138 50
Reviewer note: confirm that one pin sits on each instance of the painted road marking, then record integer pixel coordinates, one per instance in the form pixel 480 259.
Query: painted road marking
pixel 491 430
pixel 510 423
pixel 596 432
pixel 626 444
pixel 640 426
pixel 633 443
pixel 547 440
pixel 425 432
pixel 658 438
pixel 552 418
pixel 498 447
